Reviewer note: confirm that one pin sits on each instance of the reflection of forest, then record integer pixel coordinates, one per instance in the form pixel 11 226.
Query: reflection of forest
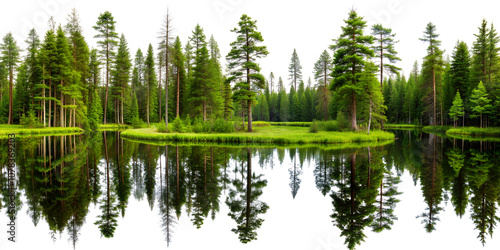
pixel 61 176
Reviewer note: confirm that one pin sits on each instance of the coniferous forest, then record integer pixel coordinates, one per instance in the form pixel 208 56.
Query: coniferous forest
pixel 59 81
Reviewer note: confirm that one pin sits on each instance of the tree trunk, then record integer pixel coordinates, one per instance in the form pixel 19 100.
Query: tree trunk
pixel 370 118
pixel 177 111
pixel 11 76
pixel 107 81
pixel 62 104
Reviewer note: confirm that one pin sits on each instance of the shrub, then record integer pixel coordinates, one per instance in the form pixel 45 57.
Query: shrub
pixel 314 127
pixel 137 123
pixel 161 127
pixel 222 126
pixel 187 124
pixel 178 125
pixel 342 120
pixel 31 121
pixel 197 125
pixel 330 126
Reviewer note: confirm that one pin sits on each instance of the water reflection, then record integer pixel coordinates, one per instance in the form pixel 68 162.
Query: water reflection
pixel 60 177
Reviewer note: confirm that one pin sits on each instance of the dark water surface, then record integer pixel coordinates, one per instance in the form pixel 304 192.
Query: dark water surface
pixel 102 191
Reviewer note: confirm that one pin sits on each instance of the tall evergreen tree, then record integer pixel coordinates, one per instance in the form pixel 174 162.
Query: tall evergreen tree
pixel 178 62
pixel 351 48
pixel 121 75
pixel 105 27
pixel 433 61
pixel 295 70
pixel 166 37
pixel 480 56
pixel 373 100
pixel 64 72
pixel 150 78
pixel 34 69
pixel 322 74
pixel 242 62
pixel 10 58
pixel 384 49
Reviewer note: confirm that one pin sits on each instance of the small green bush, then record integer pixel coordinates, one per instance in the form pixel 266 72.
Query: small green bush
pixel 330 126
pixel 187 124
pixel 30 121
pixel 178 125
pixel 342 120
pixel 161 127
pixel 137 123
pixel 222 126
pixel 314 127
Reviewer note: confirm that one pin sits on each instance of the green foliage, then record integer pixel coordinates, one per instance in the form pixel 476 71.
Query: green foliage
pixel 178 126
pixel 314 127
pixel 243 68
pixel 222 126
pixel 294 69
pixel 342 120
pixel 457 110
pixel 480 102
pixel 162 127
pixel 30 121
pixel 351 49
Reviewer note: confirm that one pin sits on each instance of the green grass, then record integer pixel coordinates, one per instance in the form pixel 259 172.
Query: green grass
pixel 291 124
pixel 20 130
pixel 332 146
pixel 280 135
pixel 475 131
pixel 436 129
pixel 113 126
pixel 388 126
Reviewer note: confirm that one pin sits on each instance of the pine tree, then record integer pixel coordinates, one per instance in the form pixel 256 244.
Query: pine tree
pixel 433 61
pixel 105 27
pixel 150 78
pixel 373 100
pixel 457 110
pixel 460 69
pixel 480 103
pixel 322 74
pixel 294 69
pixel 10 58
pixel 384 49
pixel 64 72
pixel 284 107
pixel 480 56
pixel 271 81
pixel 350 51
pixel 80 62
pixel 242 63
pixel 166 37
pixel 34 68
pixel 178 62
pixel 492 54
pixel 121 76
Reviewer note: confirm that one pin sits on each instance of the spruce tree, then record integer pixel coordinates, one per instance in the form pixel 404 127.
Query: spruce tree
pixel 105 27
pixel 243 68
pixel 322 74
pixel 294 69
pixel 433 62
pixel 178 62
pixel 457 110
pixel 150 78
pixel 121 76
pixel 350 51
pixel 10 58
pixel 480 103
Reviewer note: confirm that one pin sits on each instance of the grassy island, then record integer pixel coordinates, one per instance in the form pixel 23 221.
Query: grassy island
pixel 268 134
pixel 24 131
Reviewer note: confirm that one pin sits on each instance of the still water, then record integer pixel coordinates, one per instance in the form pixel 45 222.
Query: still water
pixel 101 191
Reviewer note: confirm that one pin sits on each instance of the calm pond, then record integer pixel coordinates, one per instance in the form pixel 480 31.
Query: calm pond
pixel 102 191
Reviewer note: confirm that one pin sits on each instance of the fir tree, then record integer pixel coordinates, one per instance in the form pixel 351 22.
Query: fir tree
pixel 351 48
pixel 242 63
pixel 105 28
pixel 480 103
pixel 457 110
pixel 294 69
